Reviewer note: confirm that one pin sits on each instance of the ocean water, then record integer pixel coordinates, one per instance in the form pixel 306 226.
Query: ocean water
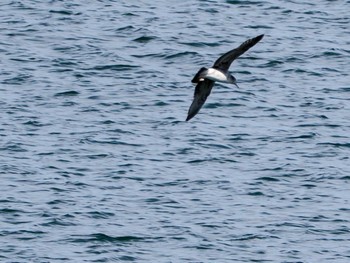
pixel 98 164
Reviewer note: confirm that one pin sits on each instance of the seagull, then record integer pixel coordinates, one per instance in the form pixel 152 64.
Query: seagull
pixel 206 77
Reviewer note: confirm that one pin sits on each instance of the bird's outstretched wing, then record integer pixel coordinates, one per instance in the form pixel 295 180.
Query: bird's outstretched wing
pixel 225 61
pixel 201 94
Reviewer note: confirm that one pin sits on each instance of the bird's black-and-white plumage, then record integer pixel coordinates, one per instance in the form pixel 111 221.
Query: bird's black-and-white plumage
pixel 205 78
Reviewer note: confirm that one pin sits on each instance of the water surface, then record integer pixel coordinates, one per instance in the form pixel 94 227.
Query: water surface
pixel 98 164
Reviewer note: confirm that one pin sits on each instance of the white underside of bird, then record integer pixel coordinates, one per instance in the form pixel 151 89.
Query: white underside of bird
pixel 215 75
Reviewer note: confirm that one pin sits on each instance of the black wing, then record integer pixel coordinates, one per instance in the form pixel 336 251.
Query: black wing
pixel 201 94
pixel 225 61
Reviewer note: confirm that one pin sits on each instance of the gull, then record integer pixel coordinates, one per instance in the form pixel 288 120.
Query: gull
pixel 206 77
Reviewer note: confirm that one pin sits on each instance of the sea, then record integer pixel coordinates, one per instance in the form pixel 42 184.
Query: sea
pixel 97 162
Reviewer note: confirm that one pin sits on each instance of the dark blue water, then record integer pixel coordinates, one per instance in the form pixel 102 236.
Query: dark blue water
pixel 98 164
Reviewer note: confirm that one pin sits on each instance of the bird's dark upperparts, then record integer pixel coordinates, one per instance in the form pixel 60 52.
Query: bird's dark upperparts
pixel 197 77
pixel 206 77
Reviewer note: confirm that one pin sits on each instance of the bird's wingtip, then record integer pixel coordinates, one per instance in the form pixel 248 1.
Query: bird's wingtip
pixel 190 116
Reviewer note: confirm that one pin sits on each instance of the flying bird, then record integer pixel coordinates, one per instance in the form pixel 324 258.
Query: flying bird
pixel 206 77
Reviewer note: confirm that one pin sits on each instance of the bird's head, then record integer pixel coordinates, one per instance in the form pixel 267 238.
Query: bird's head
pixel 233 80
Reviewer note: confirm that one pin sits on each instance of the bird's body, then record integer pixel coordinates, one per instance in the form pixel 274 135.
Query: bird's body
pixel 205 78
pixel 215 75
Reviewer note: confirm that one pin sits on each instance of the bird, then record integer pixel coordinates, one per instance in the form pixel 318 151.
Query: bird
pixel 205 78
